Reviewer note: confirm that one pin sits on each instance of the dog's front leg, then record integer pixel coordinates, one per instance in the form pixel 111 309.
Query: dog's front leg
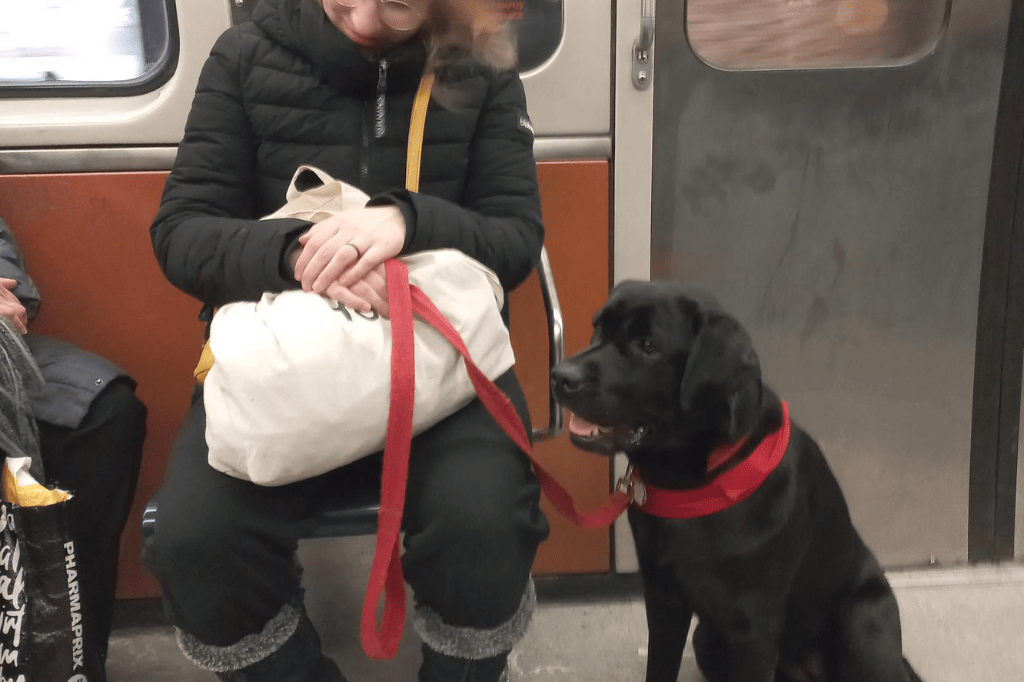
pixel 741 652
pixel 668 622
pixel 668 611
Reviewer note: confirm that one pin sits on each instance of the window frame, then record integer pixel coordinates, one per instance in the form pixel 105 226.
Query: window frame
pixel 165 66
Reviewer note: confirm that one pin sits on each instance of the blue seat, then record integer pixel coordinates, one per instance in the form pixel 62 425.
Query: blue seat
pixel 352 506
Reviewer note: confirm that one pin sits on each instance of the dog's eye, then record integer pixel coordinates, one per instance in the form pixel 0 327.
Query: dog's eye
pixel 647 346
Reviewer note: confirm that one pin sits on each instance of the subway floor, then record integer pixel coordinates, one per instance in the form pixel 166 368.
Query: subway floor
pixel 960 624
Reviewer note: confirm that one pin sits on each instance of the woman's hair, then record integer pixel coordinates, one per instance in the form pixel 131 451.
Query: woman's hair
pixel 457 29
pixel 474 28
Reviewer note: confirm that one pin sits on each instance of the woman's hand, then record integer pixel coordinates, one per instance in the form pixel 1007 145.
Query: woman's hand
pixel 369 293
pixel 342 257
pixel 11 307
pixel 350 243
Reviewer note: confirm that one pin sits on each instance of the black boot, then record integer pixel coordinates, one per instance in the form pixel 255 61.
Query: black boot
pixel 471 654
pixel 273 655
pixel 323 670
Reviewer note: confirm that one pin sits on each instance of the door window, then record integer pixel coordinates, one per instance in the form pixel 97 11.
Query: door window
pixel 539 25
pixel 790 34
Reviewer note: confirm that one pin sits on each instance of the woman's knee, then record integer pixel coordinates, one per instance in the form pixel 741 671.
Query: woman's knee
pixel 485 501
pixel 472 541
pixel 185 539
pixel 469 566
pixel 119 406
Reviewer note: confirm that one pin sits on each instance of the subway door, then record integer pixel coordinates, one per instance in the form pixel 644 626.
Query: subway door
pixel 824 170
pixel 565 61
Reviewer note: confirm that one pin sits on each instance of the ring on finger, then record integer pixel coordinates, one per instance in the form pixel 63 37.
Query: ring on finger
pixel 359 253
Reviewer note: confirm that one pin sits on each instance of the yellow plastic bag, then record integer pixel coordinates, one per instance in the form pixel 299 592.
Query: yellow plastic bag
pixel 205 364
pixel 22 489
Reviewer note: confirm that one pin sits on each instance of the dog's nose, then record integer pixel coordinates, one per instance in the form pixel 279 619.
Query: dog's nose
pixel 566 378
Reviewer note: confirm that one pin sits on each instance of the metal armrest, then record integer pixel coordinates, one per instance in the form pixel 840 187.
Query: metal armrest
pixel 556 345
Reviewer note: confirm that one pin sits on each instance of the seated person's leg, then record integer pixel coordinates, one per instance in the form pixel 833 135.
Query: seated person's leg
pixel 473 524
pixel 224 552
pixel 99 461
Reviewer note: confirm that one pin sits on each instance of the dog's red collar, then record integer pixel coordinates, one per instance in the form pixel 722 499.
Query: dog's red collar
pixel 724 491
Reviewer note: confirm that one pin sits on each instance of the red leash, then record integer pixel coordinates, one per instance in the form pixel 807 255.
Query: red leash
pixel 386 572
pixel 501 409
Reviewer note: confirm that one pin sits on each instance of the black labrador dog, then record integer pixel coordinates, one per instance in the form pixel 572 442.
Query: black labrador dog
pixel 783 586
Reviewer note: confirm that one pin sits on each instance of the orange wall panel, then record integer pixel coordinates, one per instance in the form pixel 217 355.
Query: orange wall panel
pixel 86 243
pixel 87 246
pixel 576 205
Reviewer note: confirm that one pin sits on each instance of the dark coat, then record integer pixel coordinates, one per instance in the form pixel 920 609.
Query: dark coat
pixel 74 377
pixel 289 89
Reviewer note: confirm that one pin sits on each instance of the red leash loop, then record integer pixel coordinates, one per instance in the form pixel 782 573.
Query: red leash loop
pixel 386 571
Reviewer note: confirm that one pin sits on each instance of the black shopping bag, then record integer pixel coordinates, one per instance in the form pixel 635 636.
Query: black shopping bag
pixel 41 624
pixel 41 610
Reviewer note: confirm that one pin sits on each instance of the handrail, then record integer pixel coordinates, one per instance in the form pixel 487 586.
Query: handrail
pixel 556 345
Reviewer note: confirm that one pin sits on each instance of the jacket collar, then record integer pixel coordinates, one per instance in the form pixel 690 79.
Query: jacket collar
pixel 303 27
pixel 727 489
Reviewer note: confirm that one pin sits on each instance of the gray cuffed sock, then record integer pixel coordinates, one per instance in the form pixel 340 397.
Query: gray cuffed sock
pixel 475 643
pixel 247 651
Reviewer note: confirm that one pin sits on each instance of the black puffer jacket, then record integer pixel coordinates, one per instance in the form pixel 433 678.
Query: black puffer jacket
pixel 290 89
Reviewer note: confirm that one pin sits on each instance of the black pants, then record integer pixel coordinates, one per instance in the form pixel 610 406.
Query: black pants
pixel 223 548
pixel 99 462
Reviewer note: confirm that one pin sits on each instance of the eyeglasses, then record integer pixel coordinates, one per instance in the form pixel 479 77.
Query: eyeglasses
pixel 401 15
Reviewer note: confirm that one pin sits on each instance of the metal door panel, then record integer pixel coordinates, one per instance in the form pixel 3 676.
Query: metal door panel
pixel 571 93
pixel 631 241
pixel 1019 534
pixel 1018 543
pixel 840 215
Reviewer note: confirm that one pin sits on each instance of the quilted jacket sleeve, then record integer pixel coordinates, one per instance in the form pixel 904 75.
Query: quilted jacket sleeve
pixel 12 266
pixel 206 235
pixel 73 377
pixel 499 220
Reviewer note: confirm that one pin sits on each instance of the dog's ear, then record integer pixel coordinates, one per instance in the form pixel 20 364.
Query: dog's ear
pixel 722 378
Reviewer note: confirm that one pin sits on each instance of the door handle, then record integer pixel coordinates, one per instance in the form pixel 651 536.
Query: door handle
pixel 643 48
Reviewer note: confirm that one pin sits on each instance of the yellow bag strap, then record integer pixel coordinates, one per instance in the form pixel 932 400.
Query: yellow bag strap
pixel 416 125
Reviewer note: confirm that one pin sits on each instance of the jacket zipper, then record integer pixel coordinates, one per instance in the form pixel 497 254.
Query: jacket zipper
pixel 364 156
pixel 379 119
pixel 380 124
